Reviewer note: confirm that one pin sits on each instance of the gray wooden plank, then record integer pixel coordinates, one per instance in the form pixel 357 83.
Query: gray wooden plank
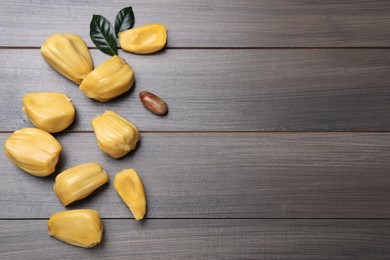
pixel 224 90
pixel 218 23
pixel 207 239
pixel 224 175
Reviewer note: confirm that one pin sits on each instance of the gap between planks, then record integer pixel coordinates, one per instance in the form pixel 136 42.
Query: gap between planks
pixel 223 48
pixel 208 218
pixel 226 131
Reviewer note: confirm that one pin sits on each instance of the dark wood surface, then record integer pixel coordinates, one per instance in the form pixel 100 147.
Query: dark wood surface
pixel 224 175
pixel 207 239
pixel 276 145
pixel 225 89
pixel 217 23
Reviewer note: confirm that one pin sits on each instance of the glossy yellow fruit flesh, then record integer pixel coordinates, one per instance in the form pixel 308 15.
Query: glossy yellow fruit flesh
pixel 33 150
pixel 78 182
pixel 49 111
pixel 69 55
pixel 115 135
pixel 129 186
pixel 80 227
pixel 109 80
pixel 144 40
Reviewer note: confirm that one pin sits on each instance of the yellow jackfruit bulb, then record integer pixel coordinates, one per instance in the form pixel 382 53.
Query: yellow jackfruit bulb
pixel 115 135
pixel 109 80
pixel 129 186
pixel 79 227
pixel 78 182
pixel 69 55
pixel 49 111
pixel 33 150
pixel 144 40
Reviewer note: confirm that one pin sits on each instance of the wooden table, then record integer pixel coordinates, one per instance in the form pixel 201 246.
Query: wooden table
pixel 276 145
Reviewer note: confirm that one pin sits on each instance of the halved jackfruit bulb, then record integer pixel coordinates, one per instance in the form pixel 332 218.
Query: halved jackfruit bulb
pixel 79 227
pixel 109 80
pixel 33 150
pixel 144 40
pixel 69 55
pixel 78 182
pixel 129 186
pixel 116 136
pixel 49 111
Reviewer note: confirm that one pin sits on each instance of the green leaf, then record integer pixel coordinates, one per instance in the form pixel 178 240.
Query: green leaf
pixel 103 36
pixel 124 20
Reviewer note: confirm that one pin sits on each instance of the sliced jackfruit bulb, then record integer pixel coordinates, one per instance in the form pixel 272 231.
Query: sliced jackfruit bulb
pixel 79 227
pixel 78 182
pixel 144 40
pixel 69 55
pixel 109 80
pixel 129 186
pixel 49 111
pixel 115 135
pixel 33 150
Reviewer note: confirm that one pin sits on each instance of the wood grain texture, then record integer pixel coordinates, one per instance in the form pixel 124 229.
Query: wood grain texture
pixel 224 175
pixel 218 23
pixel 207 239
pixel 218 195
pixel 224 89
